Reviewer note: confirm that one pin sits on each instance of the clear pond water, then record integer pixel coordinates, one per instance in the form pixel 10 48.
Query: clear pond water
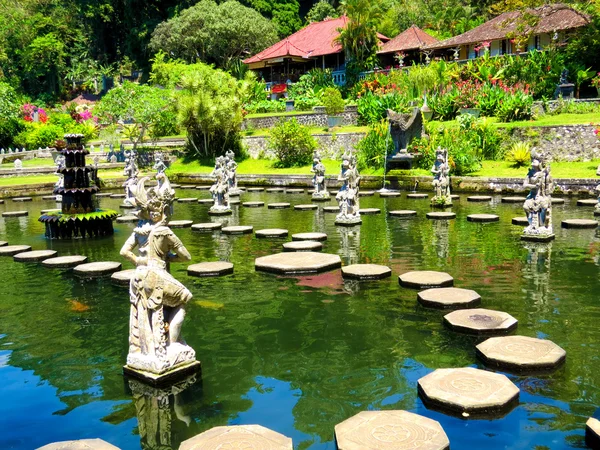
pixel 299 354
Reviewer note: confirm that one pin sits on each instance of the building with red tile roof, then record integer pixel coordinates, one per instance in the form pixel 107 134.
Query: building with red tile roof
pixel 408 43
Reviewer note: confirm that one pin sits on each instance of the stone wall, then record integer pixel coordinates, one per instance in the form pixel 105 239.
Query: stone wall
pixel 316 118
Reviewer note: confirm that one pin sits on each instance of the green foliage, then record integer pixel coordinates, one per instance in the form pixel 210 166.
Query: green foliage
pixel 372 148
pixel 292 143
pixel 321 11
pixel 373 108
pixel 10 125
pixel 519 154
pixel 333 101
pixel 266 106
pixel 306 93
pixel 37 135
pixel 515 107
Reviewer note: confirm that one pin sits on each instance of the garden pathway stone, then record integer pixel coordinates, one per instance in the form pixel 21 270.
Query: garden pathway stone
pixel 3 243
pixel 271 233
pixel 592 433
pixel 12 250
pixel 306 207
pixel 587 202
pixel 238 229
pixel 206 201
pixel 123 277
pixel 302 246
pixel 441 215
pixel 187 200
pixel 253 204
pixel 417 196
pixel 82 444
pixel 521 221
pixel 35 255
pixel 294 191
pixel 64 262
pixel 309 237
pixel 403 213
pixel 275 189
pixel 390 194
pixel 520 200
pixel 22 199
pixel 127 219
pixel 366 271
pixel 480 321
pixel 366 193
pixel 97 269
pixel 369 211
pixel 280 205
pixel 180 223
pixel 579 223
pixel 15 214
pixel 298 262
pixel 483 218
pixel 206 227
pixel 210 269
pixel 255 189
pixel 117 196
pixel 425 279
pixel 251 437
pixel 479 198
pixel 449 298
pixel 331 209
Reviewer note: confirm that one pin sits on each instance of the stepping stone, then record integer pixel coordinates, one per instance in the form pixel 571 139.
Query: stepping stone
pixel 441 215
pixel 390 194
pixel 512 199
pixel 117 195
pixel 97 269
pixel 238 437
pixel 298 262
pixel 234 201
pixel 275 190
pixel 35 255
pixel 255 189
pixel 22 199
pixel 455 197
pixel 592 433
pixel 82 444
pixel 238 229
pixel 187 200
pixel 302 246
pixel 64 262
pixel 366 193
pixel 305 207
pixel 187 186
pixel 200 188
pixel 174 185
pixel 180 223
pixel 127 219
pixel 206 201
pixel 331 209
pixel 425 279
pixel 468 390
pixel 480 321
pixel 210 269
pixel 281 205
pixel 558 201
pixel 450 297
pixel 587 202
pixel 123 277
pixel 479 198
pixel 579 223
pixel 219 212
pixel 402 213
pixel 483 218
pixel 309 237
pixel 271 233
pixel 12 250
pixel 103 194
pixel 366 272
pixel 15 214
pixel 206 227
pixel 1 202
pixel 48 197
pixel 417 195
pixel 521 353
pixel 3 243
pixel 253 204
pixel 126 206
pixel 46 211
pixel 369 211
pixel 294 191
pixel 398 430
pixel 521 221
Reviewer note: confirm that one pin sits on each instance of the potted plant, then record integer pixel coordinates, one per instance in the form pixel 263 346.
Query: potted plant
pixel 334 106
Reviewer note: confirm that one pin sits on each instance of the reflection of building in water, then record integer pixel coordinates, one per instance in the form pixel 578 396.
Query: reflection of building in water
pixel 441 237
pixel 349 245
pixel 537 270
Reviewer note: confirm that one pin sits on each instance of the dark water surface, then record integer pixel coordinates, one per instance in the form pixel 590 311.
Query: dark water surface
pixel 299 354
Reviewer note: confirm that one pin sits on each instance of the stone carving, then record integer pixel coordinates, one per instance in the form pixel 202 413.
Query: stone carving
pixel 231 172
pixel 18 164
pixel 347 197
pixel 60 183
pixel 159 163
pixel 403 129
pixel 441 179
pixel 318 168
pixel 131 171
pixel 157 299
pixel 113 159
pixel 220 189
pixel 538 203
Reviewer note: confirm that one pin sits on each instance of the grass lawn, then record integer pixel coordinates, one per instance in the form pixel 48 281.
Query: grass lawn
pixel 51 178
pixel 35 162
pixel 313 130
pixel 502 169
pixel 278 114
pixel 544 121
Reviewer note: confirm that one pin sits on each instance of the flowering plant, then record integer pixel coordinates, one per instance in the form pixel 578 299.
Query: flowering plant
pixel 29 111
pixel 596 81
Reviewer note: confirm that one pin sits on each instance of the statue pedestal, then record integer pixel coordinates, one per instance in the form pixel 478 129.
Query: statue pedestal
pixel 348 222
pixel 538 237
pixel 219 211
pixel 401 160
pixel 168 377
pixel 321 196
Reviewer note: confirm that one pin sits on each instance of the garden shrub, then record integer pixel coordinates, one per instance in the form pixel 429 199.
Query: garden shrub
pixel 519 154
pixel 265 106
pixel 10 125
pixel 372 148
pixel 515 107
pixel 373 108
pixel 292 143
pixel 333 102
pixel 36 135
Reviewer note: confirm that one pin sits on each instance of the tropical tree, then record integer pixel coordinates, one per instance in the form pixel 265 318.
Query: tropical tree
pixel 321 11
pixel 10 125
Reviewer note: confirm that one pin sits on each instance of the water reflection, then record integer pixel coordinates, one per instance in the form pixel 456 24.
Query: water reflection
pixel 349 244
pixel 537 270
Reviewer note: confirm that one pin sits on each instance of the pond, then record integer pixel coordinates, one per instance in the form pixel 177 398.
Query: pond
pixel 299 354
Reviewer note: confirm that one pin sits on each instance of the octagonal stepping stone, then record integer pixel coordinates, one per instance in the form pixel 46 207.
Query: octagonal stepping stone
pixel 255 189
pixel 398 430
pixel 253 204
pixel 238 437
pixel 48 197
pixel 126 206
pixel 22 199
pixel 579 223
pixel 187 186
pixel 468 390
pixel 366 271
pixel 12 250
pixel 450 297
pixel 206 201
pixel 479 198
pixel 480 321
pixel 202 188
pixel 483 218
pixel 207 227
pixel 97 269
pixel 298 262
pixel 234 201
pixel 35 255
pixel 175 185
pixel 521 353
pixel 441 215
pixel 81 444
pixel 369 211
pixel 417 196
pixel 309 237
pixel 117 195
pixel 238 229
pixel 305 207
pixel 46 211
pixel 455 197
pixel 275 189
pixel 302 246
pixel 219 212
pixel 271 233
pixel 512 200
pixel 187 200
pixel 425 279
pixel 210 269
pixel 103 194
pixel 123 277
pixel 180 223
pixel 403 213
pixel 592 433
pixel 331 209
pixel 1 202
pixel 280 205
pixel 64 262
pixel 366 193
pixel 587 202
pixel 390 194
pixel 521 221
pixel 3 243
pixel 294 191
pixel 558 201
pixel 15 213
pixel 127 219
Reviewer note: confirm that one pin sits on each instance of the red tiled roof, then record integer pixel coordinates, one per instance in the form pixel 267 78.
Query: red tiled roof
pixel 410 39
pixel 553 17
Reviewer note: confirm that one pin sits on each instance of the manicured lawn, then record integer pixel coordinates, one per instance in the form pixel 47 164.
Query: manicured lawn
pixel 313 130
pixel 51 178
pixel 502 169
pixel 36 162
pixel 544 121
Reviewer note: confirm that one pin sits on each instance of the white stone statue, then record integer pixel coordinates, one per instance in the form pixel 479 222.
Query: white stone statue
pixel 18 164
pixel 347 197
pixel 113 159
pixel 538 204
pixel 220 189
pixel 231 173
pixel 159 163
pixel 318 168
pixel 441 179
pixel 131 172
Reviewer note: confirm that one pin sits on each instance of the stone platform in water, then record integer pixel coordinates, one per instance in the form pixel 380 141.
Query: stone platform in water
pixel 366 193
pixel 22 199
pixel 238 229
pixel 354 221
pixel 402 213
pixel 417 196
pixel 123 277
pixel 97 269
pixel 587 202
pixel 579 223
pixel 12 250
pixel 390 194
pixel 210 269
pixel 369 211
pixel 103 194
pixel 449 298
pixel 15 214
pixel 117 195
pixel 207 227
pixel 127 219
pixel 64 262
pixel 302 246
pixel 479 198
pixel 520 200
pixel 35 255
pixel 48 197
pixel 187 186
pixel 538 237
pixel 306 207
pixel 468 390
pixel 309 237
pixel 255 189
pixel 280 205
pixel 3 243
pixel 180 223
pixel 271 233
pixel 366 271
pixel 521 353
pixel 220 212
pixel 275 189
pixel 558 201
pixel 294 191
pixel 202 188
pixel 481 321
pixel 298 262
pixel 187 200
pixel 592 433
pixel 397 430
pixel 441 215
pixel 253 204
pixel 126 206
pixel 425 279
pixel 331 209
pixel 206 201
pixel 82 444
pixel 46 211
pixel 483 218
pixel 250 437
pixel 521 221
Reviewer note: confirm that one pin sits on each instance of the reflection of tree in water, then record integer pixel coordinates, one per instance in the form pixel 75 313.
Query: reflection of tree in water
pixel 537 270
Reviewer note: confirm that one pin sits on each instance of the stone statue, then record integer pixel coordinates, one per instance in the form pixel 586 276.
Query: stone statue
pixel 231 173
pixel 113 159
pixel 61 163
pixel 403 129
pixel 159 163
pixel 538 204
pixel 220 189
pixel 157 299
pixel 18 164
pixel 441 179
pixel 347 197
pixel 318 169
pixel 131 171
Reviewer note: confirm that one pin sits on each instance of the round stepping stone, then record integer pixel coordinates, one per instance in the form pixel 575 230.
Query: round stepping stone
pixel 417 195
pixel 309 237
pixel 331 209
pixel 468 390
pixel 238 437
pixel 206 201
pixel 587 202
pixel 298 262
pixel 402 213
pixel 302 246
pixel 483 218
pixel 390 194
pixel 305 207
pixel 97 269
pixel 480 321
pixel 366 271
pixel 558 201
pixel 187 200
pixel 592 433
pixel 369 211
pixel 579 223
pixel 123 277
pixel 441 215
pixel 366 193
pixel 15 214
pixel 294 191
pixel 425 279
pixel 127 219
pixel 46 211
pixel 512 199
pixel 35 255
pixel 253 204
pixel 81 444
pixel 3 243
pixel 479 198
pixel 12 250
pixel 64 262
pixel 206 227
pixel 521 221
pixel 210 269
pixel 187 186
pixel 48 197
pixel 271 233
pixel 22 199
pixel 521 353
pixel 398 430
pixel 238 229
pixel 180 223
pixel 117 195
pixel 103 194
pixel 275 190
pixel 126 206
pixel 281 205
pixel 450 297
pixel 255 189
pixel 200 188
